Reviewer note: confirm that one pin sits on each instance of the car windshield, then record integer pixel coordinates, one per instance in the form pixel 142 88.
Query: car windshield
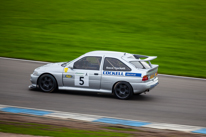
pixel 141 65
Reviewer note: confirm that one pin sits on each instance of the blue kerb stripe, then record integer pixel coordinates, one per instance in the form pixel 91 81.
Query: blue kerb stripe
pixel 203 131
pixel 25 111
pixel 121 122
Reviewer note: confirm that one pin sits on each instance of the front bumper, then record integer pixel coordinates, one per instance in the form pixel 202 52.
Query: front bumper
pixel 33 80
pixel 32 86
pixel 145 86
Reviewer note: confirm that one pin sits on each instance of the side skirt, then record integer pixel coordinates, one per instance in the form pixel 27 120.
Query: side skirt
pixel 84 89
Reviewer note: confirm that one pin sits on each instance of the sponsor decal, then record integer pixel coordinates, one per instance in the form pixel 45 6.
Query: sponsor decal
pixel 116 73
pixel 113 73
pixel 68 76
pixel 65 69
pixel 133 74
pixel 116 68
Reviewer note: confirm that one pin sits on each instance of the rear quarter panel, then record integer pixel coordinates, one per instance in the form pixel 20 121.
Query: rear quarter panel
pixel 108 81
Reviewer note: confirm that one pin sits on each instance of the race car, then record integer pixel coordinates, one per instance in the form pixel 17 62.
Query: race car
pixel 118 73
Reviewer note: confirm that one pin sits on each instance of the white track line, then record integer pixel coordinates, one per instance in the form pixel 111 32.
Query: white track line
pixel 174 76
pixel 164 75
pixel 73 116
pixel 3 106
pixel 24 60
pixel 176 127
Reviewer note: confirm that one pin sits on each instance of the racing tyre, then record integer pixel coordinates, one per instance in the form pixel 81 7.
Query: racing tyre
pixel 123 90
pixel 47 83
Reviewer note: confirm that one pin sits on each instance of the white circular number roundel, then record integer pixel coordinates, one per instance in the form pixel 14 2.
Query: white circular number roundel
pixel 81 79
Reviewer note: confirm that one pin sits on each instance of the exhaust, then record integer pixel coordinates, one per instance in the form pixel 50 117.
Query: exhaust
pixel 146 91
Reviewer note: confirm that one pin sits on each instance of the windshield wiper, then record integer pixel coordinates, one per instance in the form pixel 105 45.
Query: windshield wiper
pixel 64 64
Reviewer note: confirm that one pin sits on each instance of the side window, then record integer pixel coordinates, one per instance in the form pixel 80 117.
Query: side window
pixel 113 64
pixel 137 64
pixel 89 63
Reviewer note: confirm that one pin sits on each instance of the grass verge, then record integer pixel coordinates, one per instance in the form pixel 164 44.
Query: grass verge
pixel 42 126
pixel 54 131
pixel 62 30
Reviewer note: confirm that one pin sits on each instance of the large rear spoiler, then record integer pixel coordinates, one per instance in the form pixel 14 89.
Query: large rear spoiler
pixel 137 58
pixel 148 58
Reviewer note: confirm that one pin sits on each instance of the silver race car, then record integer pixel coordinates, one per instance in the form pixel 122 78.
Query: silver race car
pixel 118 73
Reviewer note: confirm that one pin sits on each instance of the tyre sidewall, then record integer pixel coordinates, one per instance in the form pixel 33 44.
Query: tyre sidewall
pixel 54 83
pixel 130 90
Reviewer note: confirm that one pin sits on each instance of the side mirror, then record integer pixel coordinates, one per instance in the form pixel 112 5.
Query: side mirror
pixel 70 67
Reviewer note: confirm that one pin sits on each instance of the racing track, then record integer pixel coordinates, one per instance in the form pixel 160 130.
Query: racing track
pixel 174 100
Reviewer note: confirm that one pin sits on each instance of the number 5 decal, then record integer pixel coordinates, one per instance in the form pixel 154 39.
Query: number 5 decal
pixel 81 79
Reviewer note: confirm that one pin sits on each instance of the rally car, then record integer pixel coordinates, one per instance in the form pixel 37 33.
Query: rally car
pixel 118 73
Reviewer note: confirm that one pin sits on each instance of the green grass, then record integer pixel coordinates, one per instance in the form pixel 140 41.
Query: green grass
pixel 122 129
pixel 61 30
pixel 54 131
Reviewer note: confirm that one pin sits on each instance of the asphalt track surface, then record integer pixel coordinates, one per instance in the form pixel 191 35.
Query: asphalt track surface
pixel 174 100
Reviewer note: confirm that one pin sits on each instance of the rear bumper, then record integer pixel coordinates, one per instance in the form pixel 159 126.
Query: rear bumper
pixel 152 86
pixel 145 86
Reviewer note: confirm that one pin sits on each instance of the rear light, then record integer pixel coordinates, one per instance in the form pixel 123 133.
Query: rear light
pixel 145 78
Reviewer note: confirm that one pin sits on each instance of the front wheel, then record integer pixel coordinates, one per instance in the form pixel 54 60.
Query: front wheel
pixel 47 83
pixel 123 90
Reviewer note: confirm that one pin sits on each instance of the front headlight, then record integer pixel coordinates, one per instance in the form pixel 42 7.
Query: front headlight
pixel 35 73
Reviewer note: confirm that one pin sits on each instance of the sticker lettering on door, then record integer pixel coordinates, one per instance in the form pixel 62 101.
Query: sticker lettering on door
pixel 81 79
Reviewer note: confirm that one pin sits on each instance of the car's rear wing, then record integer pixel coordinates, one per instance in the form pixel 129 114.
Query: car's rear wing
pixel 137 57
pixel 149 58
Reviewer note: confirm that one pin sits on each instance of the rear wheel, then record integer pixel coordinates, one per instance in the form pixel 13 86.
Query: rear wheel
pixel 123 90
pixel 47 83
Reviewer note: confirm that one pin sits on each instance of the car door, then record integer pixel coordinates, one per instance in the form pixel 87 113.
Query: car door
pixel 85 73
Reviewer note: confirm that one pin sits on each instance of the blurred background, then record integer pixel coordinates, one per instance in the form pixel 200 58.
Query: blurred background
pixel 173 30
